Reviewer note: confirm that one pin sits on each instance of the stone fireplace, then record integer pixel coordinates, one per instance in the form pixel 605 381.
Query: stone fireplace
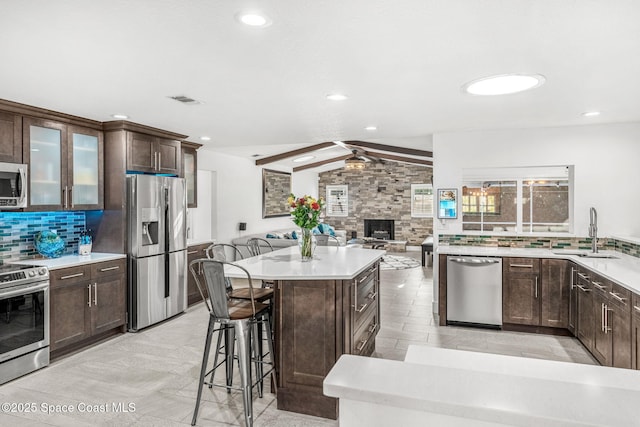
pixel 379 229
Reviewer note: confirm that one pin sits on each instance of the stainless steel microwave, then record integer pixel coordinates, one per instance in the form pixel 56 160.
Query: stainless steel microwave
pixel 13 186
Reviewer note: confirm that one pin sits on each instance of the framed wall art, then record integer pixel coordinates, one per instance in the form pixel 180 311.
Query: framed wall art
pixel 447 203
pixel 276 187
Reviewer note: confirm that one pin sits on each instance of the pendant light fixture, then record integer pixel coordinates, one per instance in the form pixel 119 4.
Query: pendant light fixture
pixel 354 162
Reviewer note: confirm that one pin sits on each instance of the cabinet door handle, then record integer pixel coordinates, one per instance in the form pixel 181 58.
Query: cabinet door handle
pixel 65 198
pixel 618 297
pixel 191 252
pixel 71 195
pixel 636 308
pixel 602 316
pixel 583 289
pixel 607 328
pixel 71 276
pixel 363 279
pixel 536 287
pixel 89 302
pixel 372 295
pixel 373 327
pixel 599 286
pixel 159 160
pixel 362 344
pixel 583 276
pixel 571 282
pixel 95 294
pixel 521 265
pixel 109 268
pixel 361 309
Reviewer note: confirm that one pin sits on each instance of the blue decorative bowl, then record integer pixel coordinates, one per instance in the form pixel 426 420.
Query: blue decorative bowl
pixel 49 244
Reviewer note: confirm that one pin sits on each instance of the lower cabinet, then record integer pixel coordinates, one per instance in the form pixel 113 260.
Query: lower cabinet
pixel 194 252
pixel 536 292
pixel 86 301
pixel 572 321
pixel 635 333
pixel 585 310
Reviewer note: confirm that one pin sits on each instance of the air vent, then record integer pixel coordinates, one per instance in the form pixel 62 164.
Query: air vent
pixel 186 100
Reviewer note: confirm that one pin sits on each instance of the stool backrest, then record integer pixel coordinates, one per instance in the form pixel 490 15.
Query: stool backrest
pixel 257 246
pixel 214 288
pixel 224 252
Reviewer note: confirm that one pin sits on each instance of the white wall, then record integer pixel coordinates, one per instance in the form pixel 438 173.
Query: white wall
pixel 199 224
pixel 606 159
pixel 236 195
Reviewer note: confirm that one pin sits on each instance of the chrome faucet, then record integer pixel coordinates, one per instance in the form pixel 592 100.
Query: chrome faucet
pixel 593 229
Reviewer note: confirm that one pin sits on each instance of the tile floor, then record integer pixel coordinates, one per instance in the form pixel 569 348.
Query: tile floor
pixel 156 370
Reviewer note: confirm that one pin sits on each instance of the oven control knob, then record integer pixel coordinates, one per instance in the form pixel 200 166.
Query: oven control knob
pixel 42 271
pixel 32 273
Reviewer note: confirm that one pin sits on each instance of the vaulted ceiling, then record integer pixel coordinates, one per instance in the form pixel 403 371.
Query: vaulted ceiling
pixel 262 91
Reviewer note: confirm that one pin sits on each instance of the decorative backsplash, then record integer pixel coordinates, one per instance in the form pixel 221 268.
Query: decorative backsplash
pixel 575 243
pixel 17 230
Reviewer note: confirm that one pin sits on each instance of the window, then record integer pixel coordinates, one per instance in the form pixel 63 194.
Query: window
pixel 421 200
pixel 337 200
pixel 534 199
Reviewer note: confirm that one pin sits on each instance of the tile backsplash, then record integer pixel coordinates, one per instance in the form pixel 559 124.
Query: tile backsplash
pixel 575 243
pixel 17 230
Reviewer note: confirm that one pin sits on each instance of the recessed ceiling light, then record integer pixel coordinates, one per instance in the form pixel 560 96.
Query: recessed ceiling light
pixel 336 97
pixel 591 113
pixel 205 138
pixel 120 116
pixel 254 19
pixel 303 159
pixel 371 128
pixel 504 84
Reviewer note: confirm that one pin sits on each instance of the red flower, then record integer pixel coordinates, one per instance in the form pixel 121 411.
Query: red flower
pixel 315 206
pixel 301 201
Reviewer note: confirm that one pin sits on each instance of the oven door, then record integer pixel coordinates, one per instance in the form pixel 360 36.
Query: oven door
pixel 24 319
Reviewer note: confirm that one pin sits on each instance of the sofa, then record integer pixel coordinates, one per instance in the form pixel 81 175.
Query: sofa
pixel 279 239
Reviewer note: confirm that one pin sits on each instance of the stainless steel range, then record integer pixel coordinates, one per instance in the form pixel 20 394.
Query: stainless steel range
pixel 24 320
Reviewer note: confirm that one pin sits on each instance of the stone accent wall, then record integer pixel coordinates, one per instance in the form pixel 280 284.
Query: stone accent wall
pixel 380 191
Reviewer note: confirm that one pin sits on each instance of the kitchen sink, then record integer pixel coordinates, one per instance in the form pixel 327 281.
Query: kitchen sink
pixel 597 255
pixel 585 254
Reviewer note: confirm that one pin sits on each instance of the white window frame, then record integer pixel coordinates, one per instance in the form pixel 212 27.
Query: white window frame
pixel 331 208
pixel 415 214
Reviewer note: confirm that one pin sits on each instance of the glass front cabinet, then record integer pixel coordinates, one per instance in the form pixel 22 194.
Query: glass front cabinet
pixel 65 166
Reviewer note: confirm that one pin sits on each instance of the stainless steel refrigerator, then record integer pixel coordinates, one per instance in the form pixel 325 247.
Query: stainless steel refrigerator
pixel 157 240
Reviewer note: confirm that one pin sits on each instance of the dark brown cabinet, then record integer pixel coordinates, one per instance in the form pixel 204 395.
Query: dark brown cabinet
pixel 364 314
pixel 10 138
pixel 586 313
pixel 87 302
pixel 521 291
pixel 573 298
pixel 190 171
pixel 635 333
pixel 612 344
pixel 193 253
pixel 555 285
pixel 65 165
pixel 147 153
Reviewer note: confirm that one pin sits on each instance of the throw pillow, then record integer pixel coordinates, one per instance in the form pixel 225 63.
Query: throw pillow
pixel 294 235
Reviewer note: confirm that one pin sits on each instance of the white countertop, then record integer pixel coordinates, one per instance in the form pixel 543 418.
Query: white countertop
pixel 328 263
pixel 70 260
pixel 483 387
pixel 624 269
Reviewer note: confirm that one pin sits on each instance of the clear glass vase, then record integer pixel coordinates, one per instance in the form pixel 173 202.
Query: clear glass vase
pixel 307 244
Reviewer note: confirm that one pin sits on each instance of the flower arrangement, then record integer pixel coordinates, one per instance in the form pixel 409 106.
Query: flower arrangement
pixel 305 211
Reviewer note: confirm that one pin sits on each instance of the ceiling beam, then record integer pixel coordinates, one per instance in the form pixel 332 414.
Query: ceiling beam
pixel 292 153
pixel 398 158
pixel 391 148
pixel 320 163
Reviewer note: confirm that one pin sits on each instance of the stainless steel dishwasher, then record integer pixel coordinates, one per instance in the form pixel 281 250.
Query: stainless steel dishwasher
pixel 474 291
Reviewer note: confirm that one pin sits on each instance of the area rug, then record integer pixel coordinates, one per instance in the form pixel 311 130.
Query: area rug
pixel 397 262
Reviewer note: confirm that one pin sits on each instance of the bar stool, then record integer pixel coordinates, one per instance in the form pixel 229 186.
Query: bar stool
pixel 243 316
pixel 221 252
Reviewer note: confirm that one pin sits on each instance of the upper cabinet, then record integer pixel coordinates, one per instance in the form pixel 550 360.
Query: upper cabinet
pixel 10 138
pixel 190 171
pixel 147 153
pixel 65 165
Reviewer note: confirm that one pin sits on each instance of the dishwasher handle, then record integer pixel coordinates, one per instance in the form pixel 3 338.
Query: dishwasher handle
pixel 474 261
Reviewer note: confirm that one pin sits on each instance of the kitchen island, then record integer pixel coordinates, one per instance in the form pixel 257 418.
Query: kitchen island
pixel 324 308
